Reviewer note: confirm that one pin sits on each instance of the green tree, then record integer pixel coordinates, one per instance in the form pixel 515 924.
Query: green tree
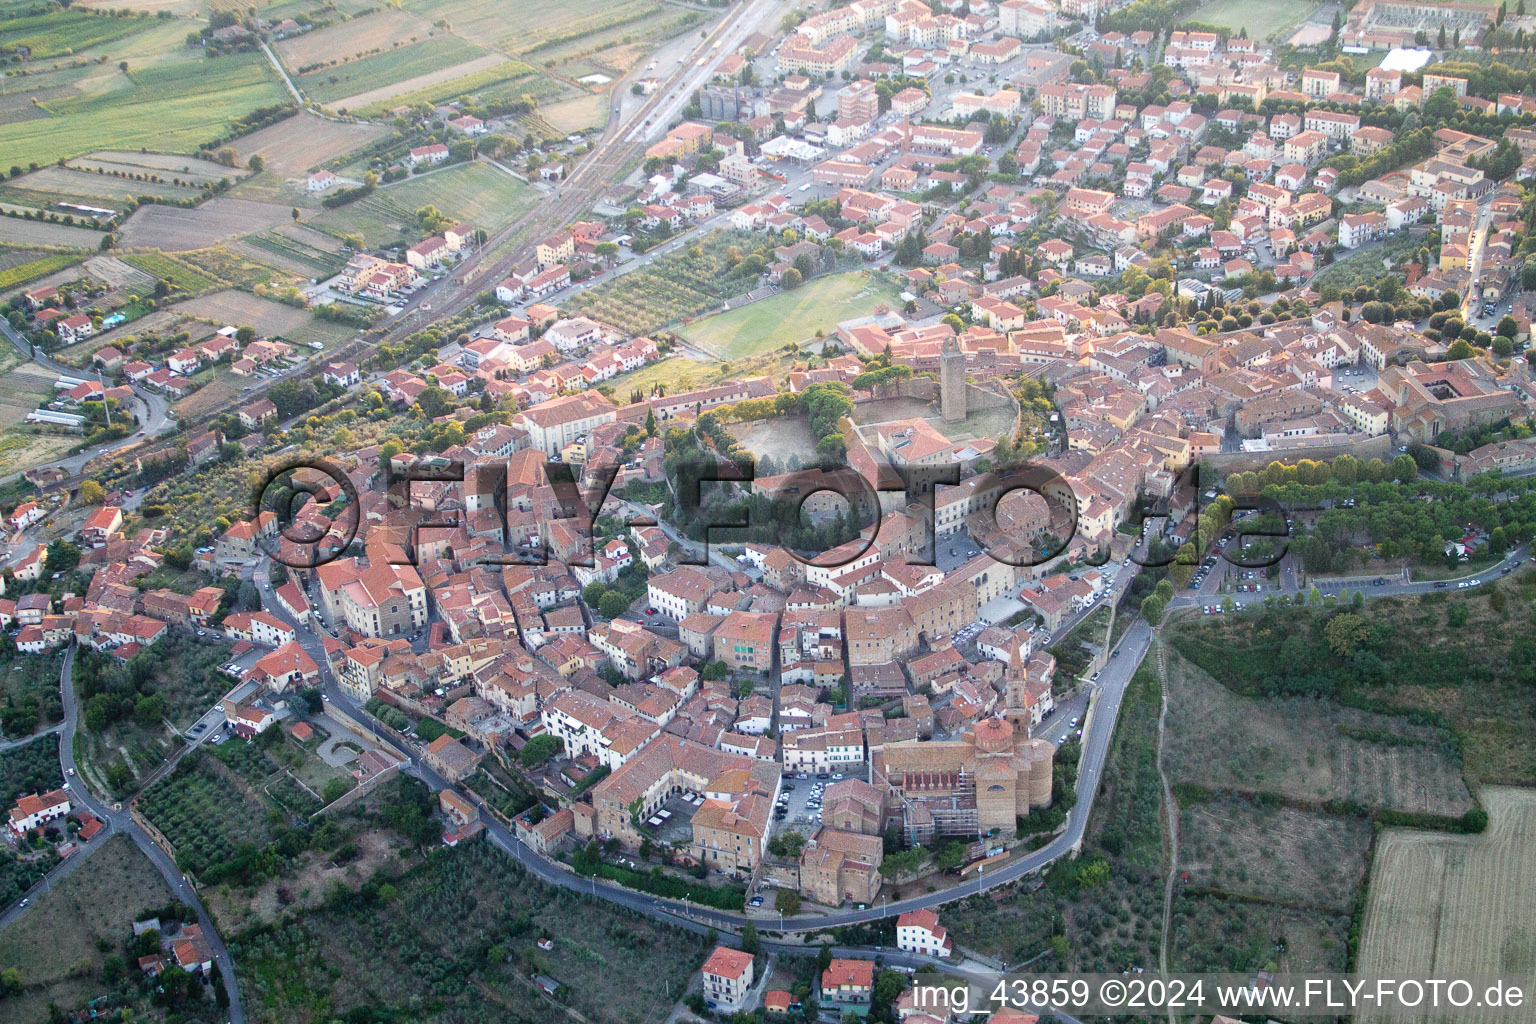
pixel 749 940
pixel 612 605
pixel 540 749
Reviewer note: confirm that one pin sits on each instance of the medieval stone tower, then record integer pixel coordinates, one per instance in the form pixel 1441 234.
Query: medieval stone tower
pixel 952 381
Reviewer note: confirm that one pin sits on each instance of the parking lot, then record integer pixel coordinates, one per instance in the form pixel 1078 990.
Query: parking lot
pixel 801 805
pixel 1354 380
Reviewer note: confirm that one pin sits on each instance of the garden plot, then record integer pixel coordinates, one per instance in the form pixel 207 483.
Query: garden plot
pixel 61 945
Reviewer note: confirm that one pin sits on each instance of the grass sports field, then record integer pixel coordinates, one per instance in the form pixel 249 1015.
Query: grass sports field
pixel 1263 21
pixel 474 193
pixel 1452 906
pixel 173 105
pixel 791 316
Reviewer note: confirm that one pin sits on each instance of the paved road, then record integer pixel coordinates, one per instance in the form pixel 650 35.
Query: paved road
pixel 152 413
pixel 1394 587
pixel 116 818
pixel 23 741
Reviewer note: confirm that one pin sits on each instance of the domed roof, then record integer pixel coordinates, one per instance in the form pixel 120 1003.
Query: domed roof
pixel 994 735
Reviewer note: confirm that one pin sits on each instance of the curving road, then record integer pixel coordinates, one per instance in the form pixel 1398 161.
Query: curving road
pixel 117 818
pixel 153 415
pixel 1097 732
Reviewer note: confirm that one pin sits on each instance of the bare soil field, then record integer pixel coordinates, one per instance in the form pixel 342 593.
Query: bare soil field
pixel 349 40
pixel 1449 905
pixel 1276 853
pixel 177 230
pixel 59 945
pixel 431 78
pixel 291 148
pixel 1306 749
pixel 32 232
pixel 271 319
pixel 216 395
pixel 114 273
pixel 22 387
pixel 579 112
pixel 780 438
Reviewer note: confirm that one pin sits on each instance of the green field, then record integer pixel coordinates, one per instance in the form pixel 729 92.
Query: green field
pixel 395 65
pixel 510 79
pixel 61 33
pixel 791 316
pixel 180 275
pixel 1263 21
pixel 474 193
pixel 34 269
pixel 174 105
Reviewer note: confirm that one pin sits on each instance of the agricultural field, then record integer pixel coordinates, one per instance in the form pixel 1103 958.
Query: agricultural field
pixel 399 63
pixel 490 79
pixel 475 193
pixel 48 187
pixel 61 944
pixel 23 385
pixel 172 167
pixel 295 248
pixel 377 956
pixel 1247 847
pixel 205 814
pixel 61 33
pixel 29 693
pixel 1307 749
pixel 180 274
pixel 271 319
pixel 30 267
pixel 1454 905
pixel 446 81
pixel 789 317
pixel 293 147
pixel 1263 21
pixel 15 231
pixel 1462 658
pixel 686 282
pixel 383 29
pixel 176 229
pixel 578 37
pixel 167 105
